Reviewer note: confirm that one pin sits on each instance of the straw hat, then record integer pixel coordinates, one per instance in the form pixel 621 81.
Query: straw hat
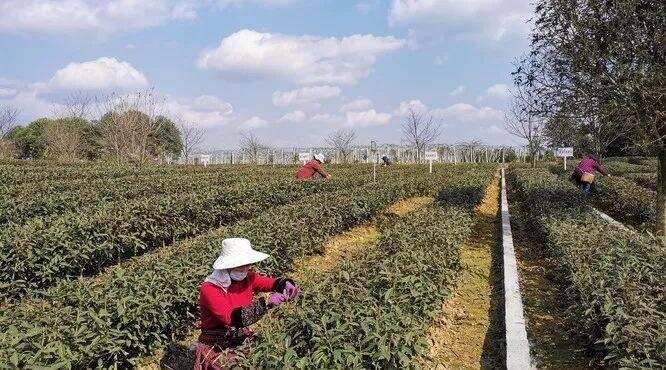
pixel 237 252
pixel 320 157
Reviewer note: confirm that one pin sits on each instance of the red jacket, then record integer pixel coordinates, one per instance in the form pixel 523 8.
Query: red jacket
pixel 590 165
pixel 216 305
pixel 309 169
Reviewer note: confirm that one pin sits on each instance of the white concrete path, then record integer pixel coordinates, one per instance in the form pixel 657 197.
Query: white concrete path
pixel 517 346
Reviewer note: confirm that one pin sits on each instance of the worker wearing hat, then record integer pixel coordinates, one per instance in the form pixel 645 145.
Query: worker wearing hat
pixel 227 304
pixel 313 167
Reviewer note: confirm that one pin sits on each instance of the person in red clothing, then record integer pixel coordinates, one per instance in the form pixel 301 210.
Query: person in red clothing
pixel 583 174
pixel 227 304
pixel 313 167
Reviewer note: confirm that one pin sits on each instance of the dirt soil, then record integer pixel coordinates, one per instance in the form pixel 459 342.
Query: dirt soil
pixel 470 331
pixel 552 344
pixel 341 246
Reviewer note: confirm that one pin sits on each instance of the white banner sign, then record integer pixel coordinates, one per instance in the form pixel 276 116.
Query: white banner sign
pixel 304 157
pixel 431 155
pixel 564 152
pixel 205 159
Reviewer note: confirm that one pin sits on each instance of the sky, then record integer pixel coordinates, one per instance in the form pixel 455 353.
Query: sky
pixel 291 71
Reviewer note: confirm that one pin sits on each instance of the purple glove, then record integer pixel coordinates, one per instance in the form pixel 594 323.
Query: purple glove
pixel 290 291
pixel 276 299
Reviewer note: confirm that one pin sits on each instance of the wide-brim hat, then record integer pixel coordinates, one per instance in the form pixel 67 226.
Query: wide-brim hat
pixel 320 157
pixel 237 252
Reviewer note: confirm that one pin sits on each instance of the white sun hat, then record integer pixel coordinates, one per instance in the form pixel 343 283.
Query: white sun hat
pixel 320 157
pixel 237 252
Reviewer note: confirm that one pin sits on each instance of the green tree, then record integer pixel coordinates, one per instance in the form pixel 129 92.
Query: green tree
pixel 602 64
pixel 29 140
pixel 166 140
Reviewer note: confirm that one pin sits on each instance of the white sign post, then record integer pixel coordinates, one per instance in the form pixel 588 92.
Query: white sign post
pixel 205 159
pixel 430 156
pixel 304 157
pixel 373 150
pixel 564 153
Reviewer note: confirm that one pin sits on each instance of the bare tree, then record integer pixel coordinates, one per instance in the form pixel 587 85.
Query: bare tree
pixel 8 117
pixel 191 136
pixel 420 131
pixel 521 122
pixel 251 145
pixel 78 104
pixel 63 139
pixel 343 142
pixel 128 122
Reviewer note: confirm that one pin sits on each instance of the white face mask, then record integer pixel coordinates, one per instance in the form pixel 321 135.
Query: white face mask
pixel 237 275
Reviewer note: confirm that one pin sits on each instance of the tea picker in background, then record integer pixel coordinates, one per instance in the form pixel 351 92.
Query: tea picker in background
pixel 227 304
pixel 584 173
pixel 313 168
pixel 386 161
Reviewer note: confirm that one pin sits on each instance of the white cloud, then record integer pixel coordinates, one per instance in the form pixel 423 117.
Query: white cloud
pixel 6 92
pixel 457 91
pixel 93 18
pixel 302 59
pixel 440 60
pixel 497 91
pixel 211 103
pixel 205 110
pixel 488 20
pixel 294 117
pixel 270 3
pixel 103 73
pixel 466 113
pixel 357 105
pixel 326 118
pixel 254 122
pixel 367 118
pixel 305 95
pixel 405 106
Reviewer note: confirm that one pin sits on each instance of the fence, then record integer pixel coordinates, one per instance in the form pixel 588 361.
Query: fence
pixel 397 154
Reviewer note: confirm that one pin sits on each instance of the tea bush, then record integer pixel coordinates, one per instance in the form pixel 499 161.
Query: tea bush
pixel 137 306
pixel 615 276
pixel 374 310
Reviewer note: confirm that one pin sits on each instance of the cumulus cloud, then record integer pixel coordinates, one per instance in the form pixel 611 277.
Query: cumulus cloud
pixel 457 91
pixel 204 110
pixel 103 18
pixel 305 95
pixel 293 117
pixel 357 105
pixel 405 106
pixel 326 118
pixel 6 92
pixel 488 20
pixel 89 17
pixel 467 113
pixel 497 91
pixel 102 73
pixel 367 118
pixel 254 122
pixel 302 59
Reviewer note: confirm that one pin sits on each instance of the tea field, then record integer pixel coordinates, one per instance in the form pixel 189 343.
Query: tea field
pixel 100 267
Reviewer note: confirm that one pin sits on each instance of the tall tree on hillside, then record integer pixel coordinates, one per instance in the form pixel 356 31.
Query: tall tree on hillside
pixel 343 142
pixel 419 131
pixel 605 60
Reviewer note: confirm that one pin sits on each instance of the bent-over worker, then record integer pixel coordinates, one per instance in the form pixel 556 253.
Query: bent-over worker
pixel 227 304
pixel 584 172
pixel 309 170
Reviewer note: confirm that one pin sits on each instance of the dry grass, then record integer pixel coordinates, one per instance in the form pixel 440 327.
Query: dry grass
pixel 466 335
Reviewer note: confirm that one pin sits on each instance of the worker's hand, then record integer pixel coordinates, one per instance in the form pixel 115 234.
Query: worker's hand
pixel 276 299
pixel 290 290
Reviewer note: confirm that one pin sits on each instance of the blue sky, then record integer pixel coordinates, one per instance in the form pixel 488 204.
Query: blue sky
pixel 290 70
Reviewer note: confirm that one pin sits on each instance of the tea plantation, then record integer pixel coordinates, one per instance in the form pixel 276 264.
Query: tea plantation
pixel 100 266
